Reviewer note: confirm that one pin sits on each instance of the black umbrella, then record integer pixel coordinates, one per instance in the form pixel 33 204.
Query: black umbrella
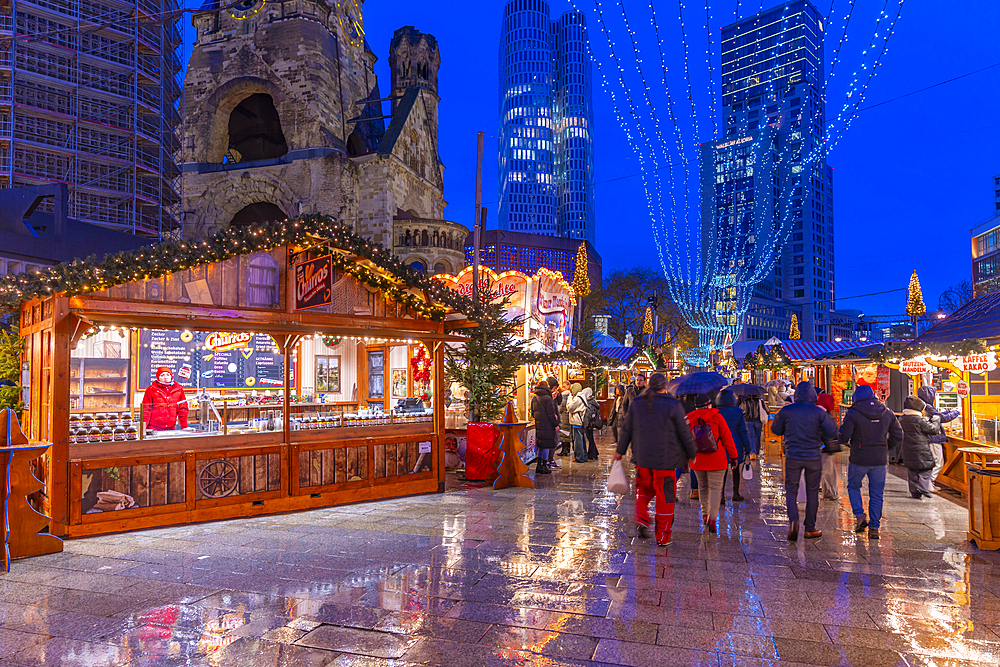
pixel 747 390
pixel 699 383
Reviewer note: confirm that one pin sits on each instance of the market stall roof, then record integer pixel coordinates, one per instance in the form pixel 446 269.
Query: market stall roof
pixel 801 350
pixel 623 355
pixel 851 353
pixel 980 318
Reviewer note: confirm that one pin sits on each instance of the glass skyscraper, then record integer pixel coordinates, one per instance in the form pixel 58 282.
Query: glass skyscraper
pixel 546 147
pixel 757 175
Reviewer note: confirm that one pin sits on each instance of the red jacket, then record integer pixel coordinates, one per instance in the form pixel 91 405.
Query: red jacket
pixel 717 460
pixel 163 406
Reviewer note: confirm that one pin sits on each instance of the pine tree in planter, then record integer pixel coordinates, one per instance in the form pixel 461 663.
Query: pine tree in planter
pixel 794 334
pixel 487 362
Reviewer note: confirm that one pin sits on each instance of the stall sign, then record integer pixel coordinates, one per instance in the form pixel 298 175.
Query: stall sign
pixel 962 388
pixel 882 383
pixel 223 342
pixel 978 363
pixel 314 283
pixel 914 367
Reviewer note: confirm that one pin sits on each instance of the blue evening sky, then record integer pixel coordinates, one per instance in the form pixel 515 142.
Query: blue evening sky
pixel 911 177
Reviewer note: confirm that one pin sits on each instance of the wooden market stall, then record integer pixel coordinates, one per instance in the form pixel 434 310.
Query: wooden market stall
pixel 959 358
pixel 290 347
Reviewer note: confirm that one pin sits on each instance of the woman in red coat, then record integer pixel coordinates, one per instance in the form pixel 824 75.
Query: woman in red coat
pixel 710 467
pixel 164 403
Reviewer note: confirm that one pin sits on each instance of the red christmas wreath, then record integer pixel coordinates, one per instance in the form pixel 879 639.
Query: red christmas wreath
pixel 421 365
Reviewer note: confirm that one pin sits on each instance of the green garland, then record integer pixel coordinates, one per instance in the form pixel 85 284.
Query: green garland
pixel 894 352
pixel 94 275
pixel 574 354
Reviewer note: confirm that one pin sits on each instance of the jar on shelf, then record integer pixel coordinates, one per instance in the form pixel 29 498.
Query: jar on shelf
pixel 107 434
pixel 126 419
pixel 131 433
pixel 119 434
pixel 100 420
pixel 87 422
pixel 74 422
pixel 94 435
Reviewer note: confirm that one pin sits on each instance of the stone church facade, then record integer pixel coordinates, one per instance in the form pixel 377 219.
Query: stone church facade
pixel 284 116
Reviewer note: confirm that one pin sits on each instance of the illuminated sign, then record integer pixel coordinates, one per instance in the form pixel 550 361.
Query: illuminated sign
pixel 977 363
pixel 914 367
pixel 314 283
pixel 734 142
pixel 222 342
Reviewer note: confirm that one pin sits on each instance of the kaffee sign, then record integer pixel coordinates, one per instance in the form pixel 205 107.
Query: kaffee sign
pixel 977 363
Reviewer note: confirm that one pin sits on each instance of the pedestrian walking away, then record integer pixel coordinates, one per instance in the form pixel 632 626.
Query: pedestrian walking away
pixel 928 395
pixel 661 442
pixel 755 414
pixel 916 450
pixel 543 411
pixel 829 483
pixel 803 425
pixel 618 410
pixel 716 453
pixel 725 402
pixel 556 400
pixel 871 429
pixel 577 414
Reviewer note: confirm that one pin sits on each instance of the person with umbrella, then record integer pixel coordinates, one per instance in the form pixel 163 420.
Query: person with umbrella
pixel 754 413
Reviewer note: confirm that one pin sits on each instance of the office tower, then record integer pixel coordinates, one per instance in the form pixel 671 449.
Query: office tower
pixel 756 175
pixel 546 146
pixel 88 95
pixel 996 193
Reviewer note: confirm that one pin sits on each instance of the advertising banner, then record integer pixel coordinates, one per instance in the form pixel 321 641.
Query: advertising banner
pixel 914 367
pixel 978 363
pixel 314 283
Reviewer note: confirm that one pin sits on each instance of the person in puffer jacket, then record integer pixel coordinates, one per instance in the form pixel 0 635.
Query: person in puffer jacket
pixel 917 455
pixel 803 425
pixel 871 429
pixel 929 396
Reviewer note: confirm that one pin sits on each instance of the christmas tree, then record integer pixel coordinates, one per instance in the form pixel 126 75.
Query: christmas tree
pixel 794 334
pixel 647 323
pixel 915 299
pixel 581 281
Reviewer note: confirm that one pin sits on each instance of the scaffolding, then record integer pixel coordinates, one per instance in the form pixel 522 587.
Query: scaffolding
pixel 88 97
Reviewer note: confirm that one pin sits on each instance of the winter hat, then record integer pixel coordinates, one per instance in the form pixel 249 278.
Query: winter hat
pixel 826 402
pixel 914 403
pixel 160 370
pixel 575 388
pixel 702 401
pixel 863 392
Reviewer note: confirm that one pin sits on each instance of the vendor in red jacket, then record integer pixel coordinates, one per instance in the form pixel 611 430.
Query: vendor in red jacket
pixel 164 403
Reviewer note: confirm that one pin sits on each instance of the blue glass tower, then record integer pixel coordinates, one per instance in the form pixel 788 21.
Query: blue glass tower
pixel 546 146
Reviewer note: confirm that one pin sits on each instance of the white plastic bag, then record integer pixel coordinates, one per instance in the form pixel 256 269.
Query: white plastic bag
pixel 747 471
pixel 802 488
pixel 617 481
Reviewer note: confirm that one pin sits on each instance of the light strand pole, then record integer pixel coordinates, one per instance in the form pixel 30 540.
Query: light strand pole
pixel 477 224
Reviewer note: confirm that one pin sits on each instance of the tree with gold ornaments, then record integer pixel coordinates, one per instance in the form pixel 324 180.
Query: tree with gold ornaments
pixel 914 298
pixel 581 281
pixel 647 323
pixel 794 334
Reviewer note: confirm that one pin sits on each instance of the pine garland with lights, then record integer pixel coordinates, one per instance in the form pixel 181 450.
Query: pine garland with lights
pixel 794 333
pixel 574 355
pixel 310 231
pixel 914 298
pixel 581 281
pixel 750 361
pixel 894 352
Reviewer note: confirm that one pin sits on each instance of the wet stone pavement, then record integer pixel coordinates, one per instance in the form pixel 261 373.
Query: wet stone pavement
pixel 548 577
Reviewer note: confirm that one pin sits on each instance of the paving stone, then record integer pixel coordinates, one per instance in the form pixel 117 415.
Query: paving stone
pixel 354 640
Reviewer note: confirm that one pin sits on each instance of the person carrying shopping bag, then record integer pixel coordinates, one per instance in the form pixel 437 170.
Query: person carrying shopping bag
pixel 829 486
pixel 661 442
pixel 716 451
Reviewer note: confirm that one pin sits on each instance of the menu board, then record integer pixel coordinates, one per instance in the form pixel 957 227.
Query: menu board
pixel 211 360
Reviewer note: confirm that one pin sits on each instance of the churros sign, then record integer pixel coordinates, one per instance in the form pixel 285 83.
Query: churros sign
pixel 314 283
pixel 223 342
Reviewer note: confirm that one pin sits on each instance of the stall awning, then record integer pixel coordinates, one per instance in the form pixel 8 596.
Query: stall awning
pixel 980 318
pixel 621 354
pixel 802 350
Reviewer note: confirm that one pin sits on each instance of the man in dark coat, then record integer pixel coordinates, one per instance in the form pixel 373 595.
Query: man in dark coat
pixel 928 395
pixel 872 430
pixel 658 432
pixel 726 404
pixel 803 425
pixel 634 390
pixel 543 411
pixel 917 455
pixel 553 383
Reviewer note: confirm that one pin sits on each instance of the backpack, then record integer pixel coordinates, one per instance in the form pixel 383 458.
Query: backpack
pixel 593 417
pixel 704 439
pixel 751 408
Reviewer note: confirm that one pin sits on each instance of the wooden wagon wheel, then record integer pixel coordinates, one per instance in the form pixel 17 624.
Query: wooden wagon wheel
pixel 218 479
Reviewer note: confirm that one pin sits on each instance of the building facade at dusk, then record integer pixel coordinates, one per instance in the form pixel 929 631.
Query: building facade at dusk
pixel 767 172
pixel 546 152
pixel 513 251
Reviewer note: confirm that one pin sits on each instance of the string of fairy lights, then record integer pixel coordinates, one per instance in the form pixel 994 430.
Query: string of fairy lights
pixel 715 304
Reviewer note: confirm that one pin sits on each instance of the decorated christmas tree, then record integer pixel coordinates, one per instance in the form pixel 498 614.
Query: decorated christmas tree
pixel 581 281
pixel 647 323
pixel 915 299
pixel 794 334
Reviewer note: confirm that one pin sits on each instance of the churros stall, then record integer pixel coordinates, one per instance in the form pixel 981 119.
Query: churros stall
pixel 265 369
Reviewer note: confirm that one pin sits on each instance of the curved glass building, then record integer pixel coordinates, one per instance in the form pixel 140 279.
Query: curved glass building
pixel 546 148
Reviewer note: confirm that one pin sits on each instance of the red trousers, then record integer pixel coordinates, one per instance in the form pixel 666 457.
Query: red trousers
pixel 662 484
